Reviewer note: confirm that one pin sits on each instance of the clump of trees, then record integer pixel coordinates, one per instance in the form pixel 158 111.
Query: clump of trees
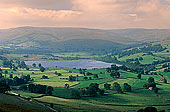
pixel 107 86
pixel 114 71
pixel 151 83
pixel 34 65
pixel 15 81
pixel 139 76
pixel 14 67
pixel 4 88
pixel 82 71
pixel 45 77
pixel 150 109
pixel 93 90
pixel 72 78
pixel 59 74
pixel 41 89
pixel 127 87
pixel 42 69
pixel 116 87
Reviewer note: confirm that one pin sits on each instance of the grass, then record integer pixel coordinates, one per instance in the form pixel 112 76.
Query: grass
pixel 62 92
pixel 147 59
pixel 13 100
pixel 108 102
pixel 77 54
pixel 25 94
pixel 70 105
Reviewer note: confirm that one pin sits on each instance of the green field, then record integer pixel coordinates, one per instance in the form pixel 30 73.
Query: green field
pixel 13 100
pixel 111 101
pixel 147 59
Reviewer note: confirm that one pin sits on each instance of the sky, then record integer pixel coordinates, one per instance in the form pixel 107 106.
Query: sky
pixel 99 14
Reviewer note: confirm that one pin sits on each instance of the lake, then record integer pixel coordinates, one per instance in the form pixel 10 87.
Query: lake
pixel 85 64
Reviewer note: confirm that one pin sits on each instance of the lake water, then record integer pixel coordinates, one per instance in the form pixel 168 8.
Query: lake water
pixel 86 64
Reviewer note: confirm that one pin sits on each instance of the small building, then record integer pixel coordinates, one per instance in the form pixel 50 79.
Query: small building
pixel 150 88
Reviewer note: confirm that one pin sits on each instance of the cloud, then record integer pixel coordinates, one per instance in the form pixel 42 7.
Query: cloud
pixel 107 14
pixel 39 4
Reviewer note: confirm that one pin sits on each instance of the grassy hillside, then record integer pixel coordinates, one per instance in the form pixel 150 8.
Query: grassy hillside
pixel 12 108
pixel 10 103
pixel 43 39
pixel 22 34
pixel 59 34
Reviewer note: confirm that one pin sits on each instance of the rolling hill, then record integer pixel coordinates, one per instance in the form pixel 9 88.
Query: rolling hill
pixel 78 39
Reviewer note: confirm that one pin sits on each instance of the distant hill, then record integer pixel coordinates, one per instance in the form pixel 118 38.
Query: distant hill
pixel 72 39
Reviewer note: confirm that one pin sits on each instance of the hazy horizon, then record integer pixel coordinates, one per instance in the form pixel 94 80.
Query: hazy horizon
pixel 84 28
pixel 100 14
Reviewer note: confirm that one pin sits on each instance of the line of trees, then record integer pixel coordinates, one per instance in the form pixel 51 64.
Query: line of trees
pixel 16 80
pixel 116 87
pixel 37 88
pixel 93 90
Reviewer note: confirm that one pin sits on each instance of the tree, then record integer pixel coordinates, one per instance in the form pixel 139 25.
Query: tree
pixel 27 68
pixel 23 87
pixel 140 58
pixel 0 70
pixel 42 69
pixel 31 87
pixel 151 79
pixel 6 72
pixel 44 77
pixel 108 70
pixel 150 83
pixel 59 74
pixel 95 76
pixel 155 90
pixel 165 65
pixel 1 75
pixel 39 65
pixel 34 65
pixel 85 78
pixel 23 65
pixel 7 63
pixel 115 74
pixel 72 78
pixel 101 91
pixel 164 80
pixel 127 87
pixel 93 89
pixel 88 73
pixel 123 67
pixel 4 88
pixel 11 76
pixel 114 67
pixel 139 76
pixel 56 72
pixel 80 70
pixel 107 86
pixel 49 90
pixel 75 94
pixel 150 109
pixel 117 87
pixel 67 86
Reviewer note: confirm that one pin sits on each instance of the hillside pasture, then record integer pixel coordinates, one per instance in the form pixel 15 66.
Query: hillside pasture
pixel 147 59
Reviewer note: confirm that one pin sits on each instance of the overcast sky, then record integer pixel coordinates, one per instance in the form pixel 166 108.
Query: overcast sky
pixel 101 14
